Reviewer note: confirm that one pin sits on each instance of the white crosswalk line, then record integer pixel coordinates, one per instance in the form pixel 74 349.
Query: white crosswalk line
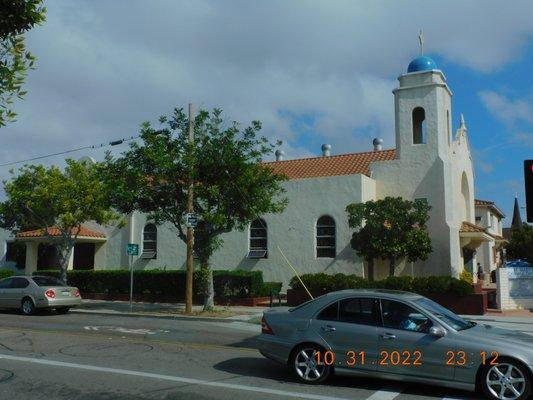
pixel 387 392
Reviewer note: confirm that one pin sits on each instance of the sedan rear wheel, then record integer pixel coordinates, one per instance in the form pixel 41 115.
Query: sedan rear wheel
pixel 27 307
pixel 308 367
pixel 508 380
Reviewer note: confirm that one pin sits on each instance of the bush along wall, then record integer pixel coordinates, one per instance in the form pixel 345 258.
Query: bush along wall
pixel 167 284
pixel 323 283
pixel 5 273
pixel 454 294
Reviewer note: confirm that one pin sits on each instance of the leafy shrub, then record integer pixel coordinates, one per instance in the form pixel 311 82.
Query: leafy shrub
pixel 322 283
pixel 5 273
pixel 466 276
pixel 227 284
pixel 267 287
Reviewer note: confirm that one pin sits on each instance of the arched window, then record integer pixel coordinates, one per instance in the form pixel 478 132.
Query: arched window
pixel 149 241
pixel 258 239
pixel 465 192
pixel 419 126
pixel 325 237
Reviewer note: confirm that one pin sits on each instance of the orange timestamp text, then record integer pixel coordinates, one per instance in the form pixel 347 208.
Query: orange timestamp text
pixel 401 358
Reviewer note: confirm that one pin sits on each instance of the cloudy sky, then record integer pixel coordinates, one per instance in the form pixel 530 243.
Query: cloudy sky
pixel 312 72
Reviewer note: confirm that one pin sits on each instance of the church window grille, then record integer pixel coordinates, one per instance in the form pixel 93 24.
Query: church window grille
pixel 325 237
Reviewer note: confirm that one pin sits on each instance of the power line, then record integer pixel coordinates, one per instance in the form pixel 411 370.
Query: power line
pixel 94 146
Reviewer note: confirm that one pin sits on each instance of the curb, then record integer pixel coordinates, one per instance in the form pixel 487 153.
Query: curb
pixel 167 317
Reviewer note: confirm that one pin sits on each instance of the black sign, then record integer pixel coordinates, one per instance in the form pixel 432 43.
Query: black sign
pixel 528 179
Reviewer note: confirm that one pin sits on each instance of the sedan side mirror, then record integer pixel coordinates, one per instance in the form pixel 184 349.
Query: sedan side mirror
pixel 437 331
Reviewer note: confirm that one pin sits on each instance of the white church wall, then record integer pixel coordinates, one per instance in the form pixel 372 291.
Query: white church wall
pixel 293 231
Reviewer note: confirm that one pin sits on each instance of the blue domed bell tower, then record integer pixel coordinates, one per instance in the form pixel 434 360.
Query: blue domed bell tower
pixel 423 109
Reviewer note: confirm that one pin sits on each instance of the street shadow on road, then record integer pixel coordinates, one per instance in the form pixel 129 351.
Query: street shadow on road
pixel 258 367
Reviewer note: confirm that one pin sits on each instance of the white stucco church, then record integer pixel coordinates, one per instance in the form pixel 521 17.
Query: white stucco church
pixel 429 161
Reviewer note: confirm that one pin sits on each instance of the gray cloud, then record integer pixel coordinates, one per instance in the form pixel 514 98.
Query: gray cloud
pixel 106 66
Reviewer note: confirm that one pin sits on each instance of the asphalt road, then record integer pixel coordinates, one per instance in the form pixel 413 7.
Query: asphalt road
pixel 94 357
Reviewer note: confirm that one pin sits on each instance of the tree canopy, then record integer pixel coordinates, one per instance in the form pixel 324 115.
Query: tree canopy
pixel 231 186
pixel 16 17
pixel 391 228
pixel 520 245
pixel 39 197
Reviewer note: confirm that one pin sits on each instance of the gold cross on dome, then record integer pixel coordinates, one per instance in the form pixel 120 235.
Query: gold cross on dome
pixel 421 41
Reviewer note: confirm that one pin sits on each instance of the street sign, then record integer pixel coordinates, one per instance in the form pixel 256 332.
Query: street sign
pixel 191 220
pixel 132 249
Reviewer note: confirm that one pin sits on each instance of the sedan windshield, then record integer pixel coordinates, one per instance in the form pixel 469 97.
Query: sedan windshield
pixel 444 314
pixel 47 281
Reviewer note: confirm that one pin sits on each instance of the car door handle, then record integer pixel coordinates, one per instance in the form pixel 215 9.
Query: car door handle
pixel 328 328
pixel 388 336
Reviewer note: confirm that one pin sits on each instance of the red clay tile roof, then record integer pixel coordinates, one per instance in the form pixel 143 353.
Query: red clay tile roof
pixel 53 231
pixel 469 227
pixel 344 164
pixel 490 204
pixel 479 202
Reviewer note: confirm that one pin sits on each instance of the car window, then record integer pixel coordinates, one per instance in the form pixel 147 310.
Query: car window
pixel 5 283
pixel 357 311
pixel 47 281
pixel 330 313
pixel 397 315
pixel 19 283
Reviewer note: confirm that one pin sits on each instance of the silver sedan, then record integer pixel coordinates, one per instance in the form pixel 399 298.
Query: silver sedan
pixel 29 293
pixel 398 336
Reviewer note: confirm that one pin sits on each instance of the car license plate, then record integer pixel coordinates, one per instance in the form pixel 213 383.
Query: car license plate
pixel 66 293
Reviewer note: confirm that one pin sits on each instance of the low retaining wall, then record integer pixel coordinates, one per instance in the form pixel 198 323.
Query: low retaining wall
pixel 472 304
pixel 515 288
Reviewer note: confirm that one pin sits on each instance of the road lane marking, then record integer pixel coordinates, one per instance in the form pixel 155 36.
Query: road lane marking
pixel 388 392
pixel 169 378
pixel 125 330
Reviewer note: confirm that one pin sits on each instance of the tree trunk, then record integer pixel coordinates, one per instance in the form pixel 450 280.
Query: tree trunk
pixel 370 269
pixel 392 266
pixel 209 290
pixel 64 258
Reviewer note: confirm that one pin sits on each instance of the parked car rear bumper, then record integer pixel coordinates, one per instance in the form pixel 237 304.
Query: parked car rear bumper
pixel 61 302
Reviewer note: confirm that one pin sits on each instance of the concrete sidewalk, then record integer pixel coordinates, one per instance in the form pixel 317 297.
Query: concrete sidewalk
pixel 519 319
pixel 169 311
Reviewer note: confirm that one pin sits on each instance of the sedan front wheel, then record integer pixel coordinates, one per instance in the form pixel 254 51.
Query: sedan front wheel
pixel 309 365
pixel 508 380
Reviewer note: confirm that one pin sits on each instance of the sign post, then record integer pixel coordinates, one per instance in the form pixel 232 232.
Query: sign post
pixel 132 249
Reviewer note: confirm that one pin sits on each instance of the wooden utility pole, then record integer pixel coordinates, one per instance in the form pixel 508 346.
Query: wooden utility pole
pixel 190 229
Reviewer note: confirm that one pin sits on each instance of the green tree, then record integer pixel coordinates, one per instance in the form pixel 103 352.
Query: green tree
pixel 16 18
pixel 392 228
pixel 39 197
pixel 231 186
pixel 520 245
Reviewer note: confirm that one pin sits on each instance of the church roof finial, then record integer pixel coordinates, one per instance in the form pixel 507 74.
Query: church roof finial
pixel 421 41
pixel 463 124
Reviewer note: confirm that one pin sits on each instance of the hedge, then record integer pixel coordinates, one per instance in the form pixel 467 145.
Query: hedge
pixel 5 273
pixel 323 283
pixel 227 284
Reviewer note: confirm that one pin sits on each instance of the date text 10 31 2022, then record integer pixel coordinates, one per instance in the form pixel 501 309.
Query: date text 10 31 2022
pixel 403 358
